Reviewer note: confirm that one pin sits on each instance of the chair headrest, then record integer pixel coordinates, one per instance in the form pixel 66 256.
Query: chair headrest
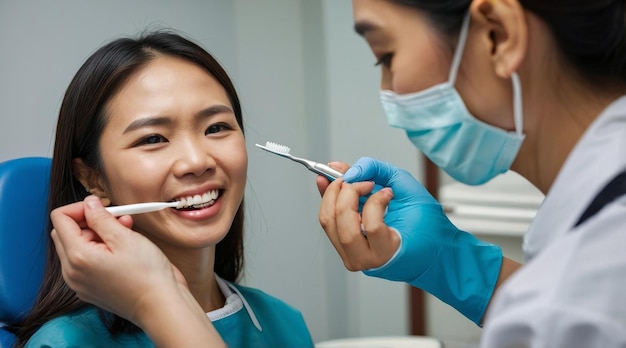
pixel 24 191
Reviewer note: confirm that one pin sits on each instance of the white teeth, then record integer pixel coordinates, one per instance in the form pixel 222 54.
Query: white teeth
pixel 198 201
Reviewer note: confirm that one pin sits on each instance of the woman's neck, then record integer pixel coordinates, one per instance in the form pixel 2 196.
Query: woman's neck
pixel 197 268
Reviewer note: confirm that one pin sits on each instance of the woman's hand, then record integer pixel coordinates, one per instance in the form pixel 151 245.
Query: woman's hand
pixel 121 271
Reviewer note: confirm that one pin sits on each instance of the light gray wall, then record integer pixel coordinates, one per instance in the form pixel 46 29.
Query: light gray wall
pixel 45 42
pixel 308 82
pixel 357 128
pixel 285 247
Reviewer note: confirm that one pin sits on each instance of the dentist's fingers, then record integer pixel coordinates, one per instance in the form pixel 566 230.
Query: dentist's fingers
pixel 105 224
pixel 342 223
pixel 348 221
pixel 70 227
pixel 73 213
pixel 71 230
pixel 383 240
pixel 119 272
pixel 327 215
pixel 59 247
pixel 323 182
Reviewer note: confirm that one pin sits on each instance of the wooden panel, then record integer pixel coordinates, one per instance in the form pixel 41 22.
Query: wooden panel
pixel 417 297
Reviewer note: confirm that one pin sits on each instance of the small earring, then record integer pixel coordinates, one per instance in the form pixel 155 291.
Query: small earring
pixel 105 201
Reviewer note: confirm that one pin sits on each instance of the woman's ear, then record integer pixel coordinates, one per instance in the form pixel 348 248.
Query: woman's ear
pixel 505 21
pixel 91 180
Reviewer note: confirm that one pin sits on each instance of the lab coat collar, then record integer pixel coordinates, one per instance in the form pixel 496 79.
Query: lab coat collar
pixel 594 161
pixel 234 302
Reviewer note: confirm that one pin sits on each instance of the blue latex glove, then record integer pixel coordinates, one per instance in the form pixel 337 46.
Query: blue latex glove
pixel 433 255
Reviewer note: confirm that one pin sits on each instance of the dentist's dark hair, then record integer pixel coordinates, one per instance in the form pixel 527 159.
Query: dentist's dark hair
pixel 82 118
pixel 591 34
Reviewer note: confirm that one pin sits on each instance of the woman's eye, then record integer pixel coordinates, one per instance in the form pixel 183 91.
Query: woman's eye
pixel 215 128
pixel 385 60
pixel 152 139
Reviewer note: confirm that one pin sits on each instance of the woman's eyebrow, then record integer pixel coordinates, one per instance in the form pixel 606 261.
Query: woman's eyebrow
pixel 146 122
pixel 212 110
pixel 163 120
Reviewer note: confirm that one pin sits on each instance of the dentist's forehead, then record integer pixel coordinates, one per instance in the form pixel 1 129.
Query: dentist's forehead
pixel 368 16
pixel 374 15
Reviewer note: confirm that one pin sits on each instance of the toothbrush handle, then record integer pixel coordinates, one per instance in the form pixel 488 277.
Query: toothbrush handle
pixel 138 208
pixel 327 171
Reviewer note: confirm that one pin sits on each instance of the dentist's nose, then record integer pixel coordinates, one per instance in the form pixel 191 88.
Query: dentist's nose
pixel 385 79
pixel 193 159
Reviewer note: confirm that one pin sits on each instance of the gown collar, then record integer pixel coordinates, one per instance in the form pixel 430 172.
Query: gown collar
pixel 235 301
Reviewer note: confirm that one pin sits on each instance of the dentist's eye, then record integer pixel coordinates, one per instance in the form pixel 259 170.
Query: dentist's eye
pixel 384 60
pixel 151 139
pixel 216 128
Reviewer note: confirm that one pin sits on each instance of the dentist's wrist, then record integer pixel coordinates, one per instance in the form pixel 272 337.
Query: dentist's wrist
pixel 173 318
pixel 464 276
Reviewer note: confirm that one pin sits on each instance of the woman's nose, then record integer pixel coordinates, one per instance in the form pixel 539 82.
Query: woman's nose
pixel 193 158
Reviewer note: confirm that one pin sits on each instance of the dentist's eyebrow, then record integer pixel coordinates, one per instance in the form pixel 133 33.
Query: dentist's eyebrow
pixel 363 27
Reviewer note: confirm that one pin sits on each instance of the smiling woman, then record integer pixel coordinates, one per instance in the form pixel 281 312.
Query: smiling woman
pixel 152 119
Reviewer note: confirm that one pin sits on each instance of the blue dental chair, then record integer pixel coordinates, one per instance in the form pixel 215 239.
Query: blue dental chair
pixel 23 234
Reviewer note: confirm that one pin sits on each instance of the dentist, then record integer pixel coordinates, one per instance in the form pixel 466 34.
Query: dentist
pixel 482 87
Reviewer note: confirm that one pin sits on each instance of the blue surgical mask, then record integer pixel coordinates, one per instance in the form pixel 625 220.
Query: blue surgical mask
pixel 438 123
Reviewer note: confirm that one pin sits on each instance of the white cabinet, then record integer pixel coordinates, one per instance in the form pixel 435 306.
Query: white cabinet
pixel 504 206
pixel 498 212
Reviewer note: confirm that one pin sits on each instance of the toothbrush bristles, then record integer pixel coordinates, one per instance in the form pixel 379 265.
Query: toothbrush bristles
pixel 277 147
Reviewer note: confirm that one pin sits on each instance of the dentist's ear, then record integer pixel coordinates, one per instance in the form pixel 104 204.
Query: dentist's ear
pixel 508 32
pixel 91 180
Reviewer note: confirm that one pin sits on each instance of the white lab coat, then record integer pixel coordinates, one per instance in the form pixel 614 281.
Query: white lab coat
pixel 571 292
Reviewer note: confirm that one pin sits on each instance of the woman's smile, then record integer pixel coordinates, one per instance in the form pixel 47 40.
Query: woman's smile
pixel 200 206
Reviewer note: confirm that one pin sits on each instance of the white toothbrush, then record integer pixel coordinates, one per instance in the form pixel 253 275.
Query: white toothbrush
pixel 313 166
pixel 140 208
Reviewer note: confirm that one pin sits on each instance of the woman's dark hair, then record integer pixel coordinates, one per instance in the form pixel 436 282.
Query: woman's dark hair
pixel 589 33
pixel 82 118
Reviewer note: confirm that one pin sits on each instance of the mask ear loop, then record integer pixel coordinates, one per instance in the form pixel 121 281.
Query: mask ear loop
pixel 518 112
pixel 458 54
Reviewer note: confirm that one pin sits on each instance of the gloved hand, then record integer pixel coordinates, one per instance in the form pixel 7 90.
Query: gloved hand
pixel 433 254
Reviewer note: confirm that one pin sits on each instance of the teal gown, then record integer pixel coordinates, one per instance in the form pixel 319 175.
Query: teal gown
pixel 250 318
